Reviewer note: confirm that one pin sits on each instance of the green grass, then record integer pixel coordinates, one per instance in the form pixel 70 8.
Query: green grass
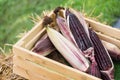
pixel 14 15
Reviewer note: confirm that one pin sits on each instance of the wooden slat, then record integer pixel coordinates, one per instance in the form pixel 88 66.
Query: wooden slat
pixel 30 43
pixel 20 71
pixel 27 74
pixel 34 76
pixel 30 34
pixel 109 39
pixel 107 30
pixel 53 65
pixel 38 69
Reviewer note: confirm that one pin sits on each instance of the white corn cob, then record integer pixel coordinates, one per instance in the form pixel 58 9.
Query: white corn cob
pixel 68 50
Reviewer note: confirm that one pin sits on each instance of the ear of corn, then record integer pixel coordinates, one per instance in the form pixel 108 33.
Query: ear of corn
pixel 102 57
pixel 81 19
pixel 78 32
pixel 43 46
pixel 65 29
pixel 68 50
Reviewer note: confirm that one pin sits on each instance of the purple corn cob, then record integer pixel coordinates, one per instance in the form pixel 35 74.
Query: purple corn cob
pixel 81 19
pixel 79 33
pixel 102 57
pixel 44 46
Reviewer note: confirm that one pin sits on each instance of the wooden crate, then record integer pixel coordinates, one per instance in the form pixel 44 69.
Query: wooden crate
pixel 36 67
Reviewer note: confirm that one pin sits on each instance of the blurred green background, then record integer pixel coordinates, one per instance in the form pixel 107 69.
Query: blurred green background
pixel 15 15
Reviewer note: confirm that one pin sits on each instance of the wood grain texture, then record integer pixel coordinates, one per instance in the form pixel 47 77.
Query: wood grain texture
pixel 105 29
pixel 109 39
pixel 31 42
pixel 38 69
pixel 52 65
pixel 38 27
pixel 27 74
pixel 20 71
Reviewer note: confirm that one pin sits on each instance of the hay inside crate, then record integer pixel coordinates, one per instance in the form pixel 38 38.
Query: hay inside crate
pixel 36 67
